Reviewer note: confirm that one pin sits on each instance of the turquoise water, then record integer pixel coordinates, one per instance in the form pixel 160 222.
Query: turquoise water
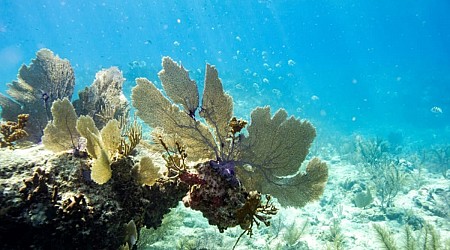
pixel 355 69
pixel 354 66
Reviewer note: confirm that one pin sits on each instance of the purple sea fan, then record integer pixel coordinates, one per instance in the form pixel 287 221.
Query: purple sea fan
pixel 226 169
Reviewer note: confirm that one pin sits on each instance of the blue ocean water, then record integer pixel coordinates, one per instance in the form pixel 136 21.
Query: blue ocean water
pixel 348 66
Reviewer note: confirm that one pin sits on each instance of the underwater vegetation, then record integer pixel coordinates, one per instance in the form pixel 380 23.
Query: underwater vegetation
pixel 427 239
pixel 102 182
pixel 387 173
pixel 440 157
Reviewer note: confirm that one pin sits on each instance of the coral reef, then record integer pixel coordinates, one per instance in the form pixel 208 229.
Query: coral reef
pixel 53 197
pixel 47 79
pixel 12 131
pixel 100 194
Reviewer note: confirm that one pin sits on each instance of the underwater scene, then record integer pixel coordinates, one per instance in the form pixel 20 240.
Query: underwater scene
pixel 261 124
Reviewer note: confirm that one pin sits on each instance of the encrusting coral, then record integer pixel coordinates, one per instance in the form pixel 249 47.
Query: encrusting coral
pixel 12 131
pixel 47 79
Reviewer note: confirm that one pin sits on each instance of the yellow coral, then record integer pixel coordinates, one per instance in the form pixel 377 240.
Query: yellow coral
pixel 101 168
pixel 86 126
pixel 60 133
pixel 98 148
pixel 111 137
pixel 147 172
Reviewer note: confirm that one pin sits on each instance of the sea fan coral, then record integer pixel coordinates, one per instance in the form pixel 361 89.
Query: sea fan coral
pixel 47 79
pixel 273 150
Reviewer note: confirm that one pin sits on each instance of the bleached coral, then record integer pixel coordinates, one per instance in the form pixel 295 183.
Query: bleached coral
pixel 104 99
pixel 47 79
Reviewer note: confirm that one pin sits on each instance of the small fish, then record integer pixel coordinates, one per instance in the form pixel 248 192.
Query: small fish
pixel 436 110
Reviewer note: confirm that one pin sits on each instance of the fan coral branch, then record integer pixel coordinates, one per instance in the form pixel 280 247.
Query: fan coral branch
pixel 275 149
pixel 178 86
pixel 157 111
pixel 217 108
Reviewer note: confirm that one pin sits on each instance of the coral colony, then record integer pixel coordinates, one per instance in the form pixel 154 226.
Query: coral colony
pixel 103 182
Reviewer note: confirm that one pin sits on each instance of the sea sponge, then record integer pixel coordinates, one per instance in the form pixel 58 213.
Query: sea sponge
pixel 48 78
pixel 60 134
